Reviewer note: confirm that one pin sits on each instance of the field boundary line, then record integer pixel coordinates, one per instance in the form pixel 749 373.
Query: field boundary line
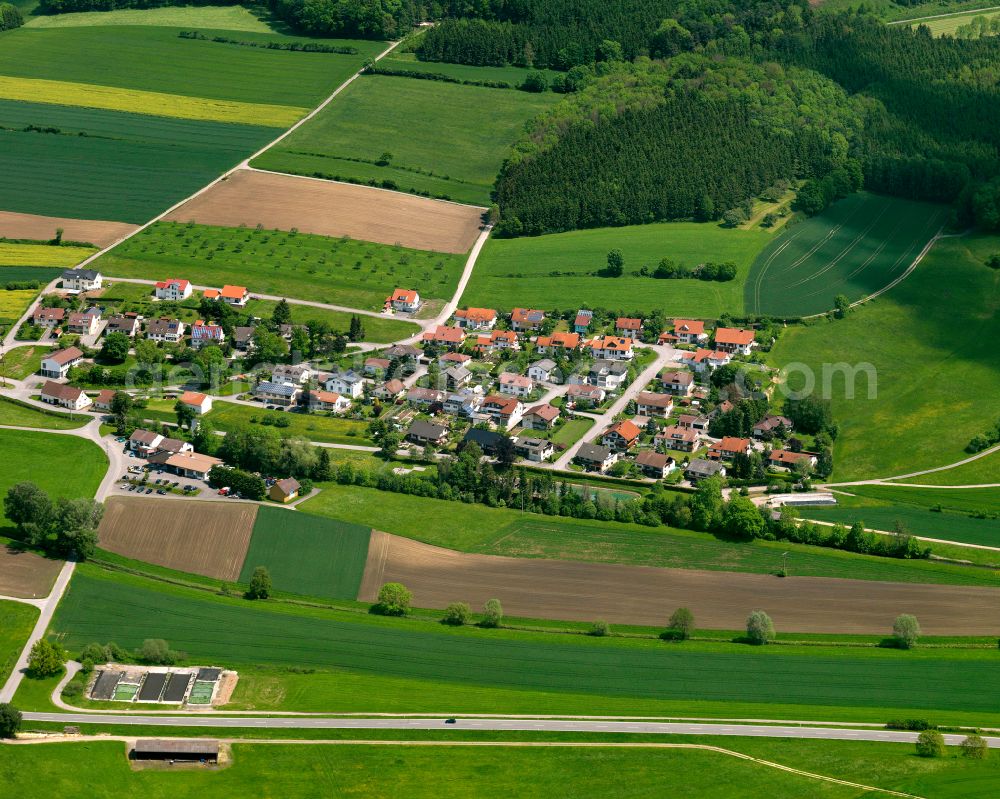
pixel 879 480
pixel 942 16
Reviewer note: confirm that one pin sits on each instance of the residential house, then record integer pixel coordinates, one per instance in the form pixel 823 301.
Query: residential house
pixel 734 340
pixel 699 469
pixel 424 432
pixel 127 323
pixel 377 367
pixel 48 317
pixel 464 403
pixel 611 348
pixel 284 394
pixel 650 404
pixel 171 446
pixel 595 456
pixel 406 300
pixel 144 442
pixel 403 352
pixel 690 331
pixel 196 401
pixel 84 323
pixel 680 383
pixel 243 338
pixel 627 326
pixel 703 360
pixel 621 435
pixel 676 437
pixel 424 397
pixel 172 289
pixel 769 425
pixel 81 280
pixel 328 401
pixel 505 412
pixel 349 383
pixel 655 464
pixel 524 320
pixel 534 449
pixel 582 322
pixel 699 423
pixel 609 375
pixel 557 341
pixel 103 400
pixel 498 341
pixel 543 371
pixel 390 389
pixel 515 385
pixel 64 395
pixel 285 490
pixel 585 394
pixel 541 417
pixel 170 330
pixel 192 464
pixel 486 440
pixel 231 295
pixel 291 373
pixel 729 448
pixel 476 318
pixel 786 460
pixel 204 334
pixel 449 359
pixel 452 337
pixel 58 363
pixel 457 377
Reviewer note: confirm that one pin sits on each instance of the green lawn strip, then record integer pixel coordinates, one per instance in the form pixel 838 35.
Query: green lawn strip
pixel 943 316
pixel 532 271
pixel 326 429
pixel 497 531
pixel 338 271
pixel 572 431
pixel 405 117
pixel 20 362
pixel 855 247
pixel 63 465
pixel 156 59
pixel 16 622
pixel 982 470
pixel 308 554
pixel 500 668
pixel 17 413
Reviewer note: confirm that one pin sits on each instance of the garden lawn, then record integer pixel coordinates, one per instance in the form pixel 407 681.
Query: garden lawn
pixel 63 465
pixel 18 363
pixel 16 622
pixel 559 270
pixel 982 470
pixel 326 429
pixel 40 255
pixel 308 554
pixel 572 431
pixel 931 340
pixel 405 118
pixel 474 670
pixel 498 531
pixel 338 271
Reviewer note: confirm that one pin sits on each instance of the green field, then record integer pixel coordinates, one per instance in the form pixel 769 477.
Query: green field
pixel 406 118
pixel 339 271
pixel 19 362
pixel 951 23
pixel 981 470
pixel 16 623
pixel 307 554
pixel 222 18
pixel 856 247
pixel 521 272
pixel 473 670
pixel 932 342
pixel 63 465
pixel 327 429
pixel 13 412
pixel 497 531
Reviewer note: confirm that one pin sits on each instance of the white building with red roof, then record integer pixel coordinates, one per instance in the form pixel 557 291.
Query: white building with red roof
pixel 476 318
pixel 406 300
pixel 172 288
pixel 734 340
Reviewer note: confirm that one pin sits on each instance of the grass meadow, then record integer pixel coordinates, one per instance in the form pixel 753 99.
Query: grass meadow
pixel 18 363
pixel 507 670
pixel 327 429
pixel 498 531
pixel 931 341
pixel 560 269
pixel 981 470
pixel 855 247
pixel 308 554
pixel 221 18
pixel 405 118
pixel 16 622
pixel 339 271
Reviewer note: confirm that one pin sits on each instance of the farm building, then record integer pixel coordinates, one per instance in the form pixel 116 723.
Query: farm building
pixel 175 749
pixel 284 490
pixel 59 363
pixel 64 396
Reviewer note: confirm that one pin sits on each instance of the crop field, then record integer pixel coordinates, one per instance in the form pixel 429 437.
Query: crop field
pixel 209 538
pixel 339 271
pixel 14 413
pixel 557 589
pixel 24 574
pixel 16 621
pixel 326 429
pixel 308 554
pixel 19 362
pixel 42 228
pixel 285 202
pixel 498 531
pixel 40 255
pixel 63 465
pixel 13 303
pixel 405 118
pixel 508 668
pixel 939 322
pixel 561 269
pixel 221 18
pixel 856 247
pixel 948 25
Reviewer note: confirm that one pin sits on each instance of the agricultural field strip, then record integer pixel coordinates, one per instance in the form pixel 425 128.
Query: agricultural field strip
pixel 101 234
pixel 41 255
pixel 941 16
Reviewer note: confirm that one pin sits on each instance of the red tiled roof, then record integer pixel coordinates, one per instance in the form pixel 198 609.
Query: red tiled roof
pixel 477 314
pixel 63 357
pixel 403 295
pixel 626 429
pixel 733 335
pixel 694 327
pixel 628 323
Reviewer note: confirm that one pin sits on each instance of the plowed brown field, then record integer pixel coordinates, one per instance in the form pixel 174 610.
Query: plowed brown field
pixel 283 202
pixel 559 589
pixel 25 574
pixel 209 538
pixel 43 228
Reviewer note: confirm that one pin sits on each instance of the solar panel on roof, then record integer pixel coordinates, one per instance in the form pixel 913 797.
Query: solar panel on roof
pixel 176 687
pixel 104 686
pixel 209 675
pixel 152 687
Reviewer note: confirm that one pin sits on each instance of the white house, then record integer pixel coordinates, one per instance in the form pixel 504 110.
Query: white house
pixel 612 348
pixel 291 373
pixel 84 323
pixel 59 363
pixel 704 360
pixel 542 371
pixel 81 279
pixel 172 289
pixel 64 395
pixel 734 340
pixel 204 334
pixel 196 401
pixel 233 295
pixel 476 318
pixel 690 331
pixel 277 393
pixel 350 384
pixel 328 401
pixel 170 330
pixel 515 385
pixel 407 300
pixel 505 412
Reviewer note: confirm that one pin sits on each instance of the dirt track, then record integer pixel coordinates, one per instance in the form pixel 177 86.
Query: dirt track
pixel 645 595
pixel 32 226
pixel 25 574
pixel 277 201
pixel 209 538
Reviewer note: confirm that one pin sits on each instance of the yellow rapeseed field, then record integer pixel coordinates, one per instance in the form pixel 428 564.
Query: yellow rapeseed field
pixel 41 255
pixel 14 303
pixel 161 104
